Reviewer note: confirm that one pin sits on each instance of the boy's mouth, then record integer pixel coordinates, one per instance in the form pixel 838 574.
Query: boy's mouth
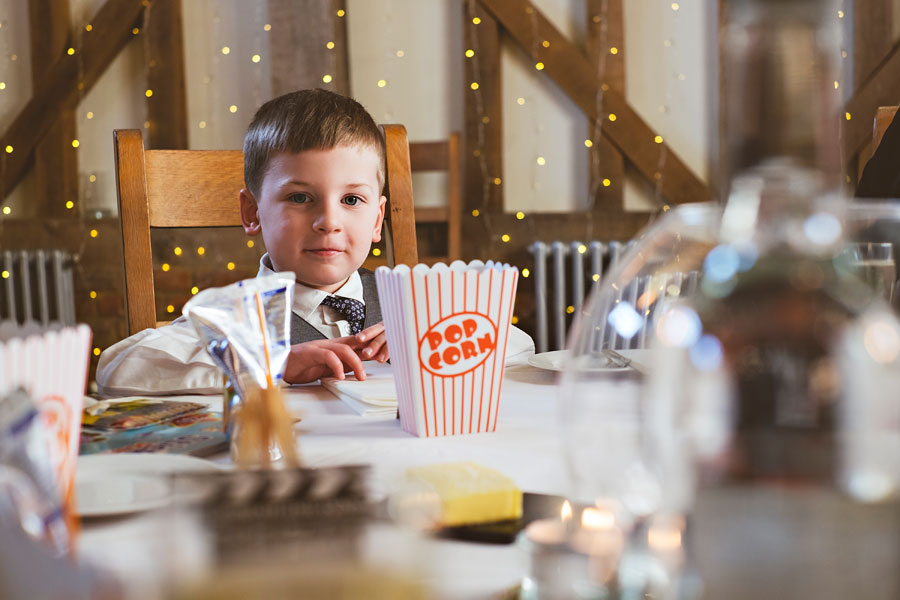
pixel 324 252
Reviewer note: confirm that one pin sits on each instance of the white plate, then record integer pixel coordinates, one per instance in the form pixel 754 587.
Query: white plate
pixel 556 361
pixel 117 484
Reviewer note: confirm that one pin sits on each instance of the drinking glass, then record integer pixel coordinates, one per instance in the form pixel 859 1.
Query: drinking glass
pixel 874 263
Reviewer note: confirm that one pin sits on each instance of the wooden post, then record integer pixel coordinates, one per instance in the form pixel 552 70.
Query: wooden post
pixel 298 45
pixel 55 160
pixel 483 150
pixel 606 31
pixel 167 107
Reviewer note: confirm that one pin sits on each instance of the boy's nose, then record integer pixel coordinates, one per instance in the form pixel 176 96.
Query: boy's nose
pixel 328 219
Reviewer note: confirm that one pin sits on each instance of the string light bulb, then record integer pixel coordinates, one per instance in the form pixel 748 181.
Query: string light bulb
pixel 135 30
pixel 194 290
pixel 6 210
pixel 93 295
pixel 376 251
pixel 230 266
pixel 520 101
pixel 148 93
pixel 166 267
pixel 400 53
pixel 658 139
pixel 541 161
pixel 70 205
pixel 267 27
pixel 613 50
pixel 545 43
pixel 475 212
pixel 474 85
pixel 675 6
pixel 177 250
pixel 588 143
pixel 526 272
pixel 4 274
pixel 341 12
pixel 612 117
pixel 505 237
pixel 89 115
pixel 201 251
pixel 470 53
pixel 255 58
pixel 250 243
pixel 96 351
pixel 88 27
pixel 476 20
pixel 539 66
pixel 9 149
pixel 382 83
pixel 520 215
pixel 70 51
pixel 94 233
pixel 607 183
pixel 2 85
pixel 233 108
pixel 326 78
pixel 226 50
pixel 170 309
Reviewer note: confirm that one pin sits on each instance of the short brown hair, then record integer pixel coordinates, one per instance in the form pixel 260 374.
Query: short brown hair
pixel 307 120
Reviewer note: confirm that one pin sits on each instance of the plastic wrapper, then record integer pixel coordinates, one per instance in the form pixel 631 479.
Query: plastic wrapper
pixel 246 327
pixel 29 491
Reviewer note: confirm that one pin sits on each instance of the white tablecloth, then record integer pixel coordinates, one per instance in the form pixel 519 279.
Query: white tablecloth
pixel 526 447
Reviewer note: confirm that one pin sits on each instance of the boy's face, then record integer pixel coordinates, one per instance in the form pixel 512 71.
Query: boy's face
pixel 319 212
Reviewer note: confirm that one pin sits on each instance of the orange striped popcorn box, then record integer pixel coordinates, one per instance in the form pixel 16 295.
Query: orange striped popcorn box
pixel 447 329
pixel 51 367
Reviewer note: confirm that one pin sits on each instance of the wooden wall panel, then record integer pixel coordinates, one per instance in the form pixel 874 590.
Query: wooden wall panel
pixel 301 30
pixel 167 107
pixel 605 31
pixel 483 148
pixel 55 160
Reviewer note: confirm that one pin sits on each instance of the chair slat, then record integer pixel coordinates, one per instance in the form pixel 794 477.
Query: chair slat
pixel 187 188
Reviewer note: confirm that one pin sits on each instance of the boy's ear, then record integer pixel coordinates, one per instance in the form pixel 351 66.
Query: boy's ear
pixel 376 235
pixel 249 213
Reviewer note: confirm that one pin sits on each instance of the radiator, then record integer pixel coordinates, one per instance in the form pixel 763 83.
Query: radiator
pixel 565 272
pixel 37 285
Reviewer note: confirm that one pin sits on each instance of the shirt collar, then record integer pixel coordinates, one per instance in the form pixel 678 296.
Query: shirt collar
pixel 308 299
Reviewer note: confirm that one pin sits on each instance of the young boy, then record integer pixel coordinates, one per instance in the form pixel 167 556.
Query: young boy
pixel 314 171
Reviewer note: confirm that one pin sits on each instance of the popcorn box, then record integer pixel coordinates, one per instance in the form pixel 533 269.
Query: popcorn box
pixel 51 366
pixel 447 329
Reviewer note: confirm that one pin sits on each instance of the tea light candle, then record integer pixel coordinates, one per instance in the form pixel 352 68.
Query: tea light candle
pixel 552 565
pixel 602 539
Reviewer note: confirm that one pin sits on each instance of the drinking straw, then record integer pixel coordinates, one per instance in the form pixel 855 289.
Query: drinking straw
pixel 274 404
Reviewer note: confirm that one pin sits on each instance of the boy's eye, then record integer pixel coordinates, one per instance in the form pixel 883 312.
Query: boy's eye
pixel 352 200
pixel 299 198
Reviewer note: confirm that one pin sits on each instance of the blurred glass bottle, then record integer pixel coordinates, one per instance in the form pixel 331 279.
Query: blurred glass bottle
pixel 787 506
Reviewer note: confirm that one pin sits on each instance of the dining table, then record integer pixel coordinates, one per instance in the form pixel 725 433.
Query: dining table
pixel 526 446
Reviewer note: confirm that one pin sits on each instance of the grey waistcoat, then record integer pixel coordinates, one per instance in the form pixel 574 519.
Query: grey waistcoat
pixel 301 331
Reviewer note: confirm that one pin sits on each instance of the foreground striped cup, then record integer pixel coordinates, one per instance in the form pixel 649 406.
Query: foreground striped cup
pixel 447 329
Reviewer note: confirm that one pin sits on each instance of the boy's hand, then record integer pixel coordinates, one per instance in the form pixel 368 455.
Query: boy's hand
pixel 373 343
pixel 310 361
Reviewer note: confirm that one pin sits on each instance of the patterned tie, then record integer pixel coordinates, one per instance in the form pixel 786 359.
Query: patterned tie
pixel 352 310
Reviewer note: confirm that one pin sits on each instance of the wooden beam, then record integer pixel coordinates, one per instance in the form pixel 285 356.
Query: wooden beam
pixel 66 81
pixel 881 89
pixel 605 31
pixel 300 57
pixel 873 36
pixel 55 160
pixel 483 150
pixel 167 107
pixel 573 73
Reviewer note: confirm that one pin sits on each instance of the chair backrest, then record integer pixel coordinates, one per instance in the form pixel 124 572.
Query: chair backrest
pixel 199 188
pixel 883 118
pixel 441 156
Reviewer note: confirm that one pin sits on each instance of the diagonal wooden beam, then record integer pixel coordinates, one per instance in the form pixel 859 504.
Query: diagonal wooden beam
pixel 567 66
pixel 63 84
pixel 881 88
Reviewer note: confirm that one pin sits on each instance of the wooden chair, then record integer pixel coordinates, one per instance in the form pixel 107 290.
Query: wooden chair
pixel 199 188
pixel 438 156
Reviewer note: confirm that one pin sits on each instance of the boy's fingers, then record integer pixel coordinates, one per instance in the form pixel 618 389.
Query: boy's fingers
pixel 333 362
pixel 350 360
pixel 370 332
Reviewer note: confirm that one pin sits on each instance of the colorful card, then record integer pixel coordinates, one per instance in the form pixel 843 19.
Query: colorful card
pixel 198 433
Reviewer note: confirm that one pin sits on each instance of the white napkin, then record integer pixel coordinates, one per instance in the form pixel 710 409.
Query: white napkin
pixel 376 396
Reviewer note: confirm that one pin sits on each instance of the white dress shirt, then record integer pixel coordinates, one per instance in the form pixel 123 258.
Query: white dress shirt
pixel 171 359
